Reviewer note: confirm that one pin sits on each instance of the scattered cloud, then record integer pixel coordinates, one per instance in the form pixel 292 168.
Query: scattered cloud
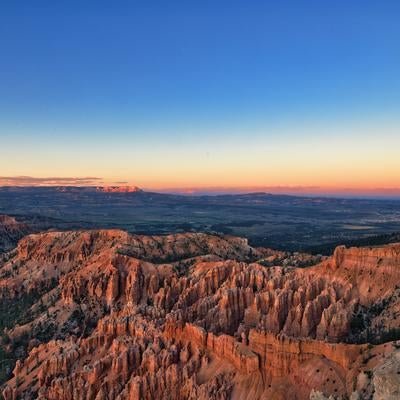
pixel 49 181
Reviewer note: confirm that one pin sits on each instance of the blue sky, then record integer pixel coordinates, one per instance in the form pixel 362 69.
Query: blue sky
pixel 79 80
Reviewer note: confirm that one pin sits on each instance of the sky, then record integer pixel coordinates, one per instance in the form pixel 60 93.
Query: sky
pixel 299 96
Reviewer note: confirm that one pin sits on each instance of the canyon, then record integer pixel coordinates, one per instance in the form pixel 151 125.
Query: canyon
pixel 104 314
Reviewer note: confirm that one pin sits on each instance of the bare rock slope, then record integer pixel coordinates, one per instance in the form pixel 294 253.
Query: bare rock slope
pixel 108 315
pixel 11 231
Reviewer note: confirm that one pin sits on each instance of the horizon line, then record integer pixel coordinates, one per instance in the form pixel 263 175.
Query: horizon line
pixel 295 190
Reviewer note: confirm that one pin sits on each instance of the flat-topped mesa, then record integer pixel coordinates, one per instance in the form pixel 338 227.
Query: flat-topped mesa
pixel 99 189
pixel 118 189
pixel 375 271
pixel 79 245
pixel 53 247
pixel 366 257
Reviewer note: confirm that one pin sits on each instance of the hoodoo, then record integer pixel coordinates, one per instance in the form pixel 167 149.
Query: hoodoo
pixel 109 315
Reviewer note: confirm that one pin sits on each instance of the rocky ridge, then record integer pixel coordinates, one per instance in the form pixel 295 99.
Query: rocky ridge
pixel 11 231
pixel 185 316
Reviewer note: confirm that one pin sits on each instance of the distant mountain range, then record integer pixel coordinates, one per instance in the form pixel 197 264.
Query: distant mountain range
pixel 72 189
pixel 101 189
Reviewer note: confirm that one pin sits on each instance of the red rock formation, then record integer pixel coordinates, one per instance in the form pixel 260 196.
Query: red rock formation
pixel 11 231
pixel 193 316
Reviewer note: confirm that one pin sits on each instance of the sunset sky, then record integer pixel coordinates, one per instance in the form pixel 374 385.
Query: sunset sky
pixel 298 95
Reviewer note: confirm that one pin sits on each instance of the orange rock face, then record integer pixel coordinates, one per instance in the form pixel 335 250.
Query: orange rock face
pixel 195 316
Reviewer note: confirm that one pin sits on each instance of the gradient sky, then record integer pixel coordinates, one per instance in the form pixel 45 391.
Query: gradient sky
pixel 202 94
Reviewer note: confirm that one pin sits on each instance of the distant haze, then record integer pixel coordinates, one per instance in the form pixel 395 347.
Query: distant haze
pixel 98 183
pixel 296 191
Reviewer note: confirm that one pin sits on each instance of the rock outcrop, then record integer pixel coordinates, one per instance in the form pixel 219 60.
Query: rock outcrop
pixel 11 231
pixel 195 316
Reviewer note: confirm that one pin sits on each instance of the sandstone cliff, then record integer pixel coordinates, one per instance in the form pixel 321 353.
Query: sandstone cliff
pixel 195 316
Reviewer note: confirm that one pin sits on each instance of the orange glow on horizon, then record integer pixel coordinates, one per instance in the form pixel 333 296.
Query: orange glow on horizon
pixel 361 158
pixel 211 189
